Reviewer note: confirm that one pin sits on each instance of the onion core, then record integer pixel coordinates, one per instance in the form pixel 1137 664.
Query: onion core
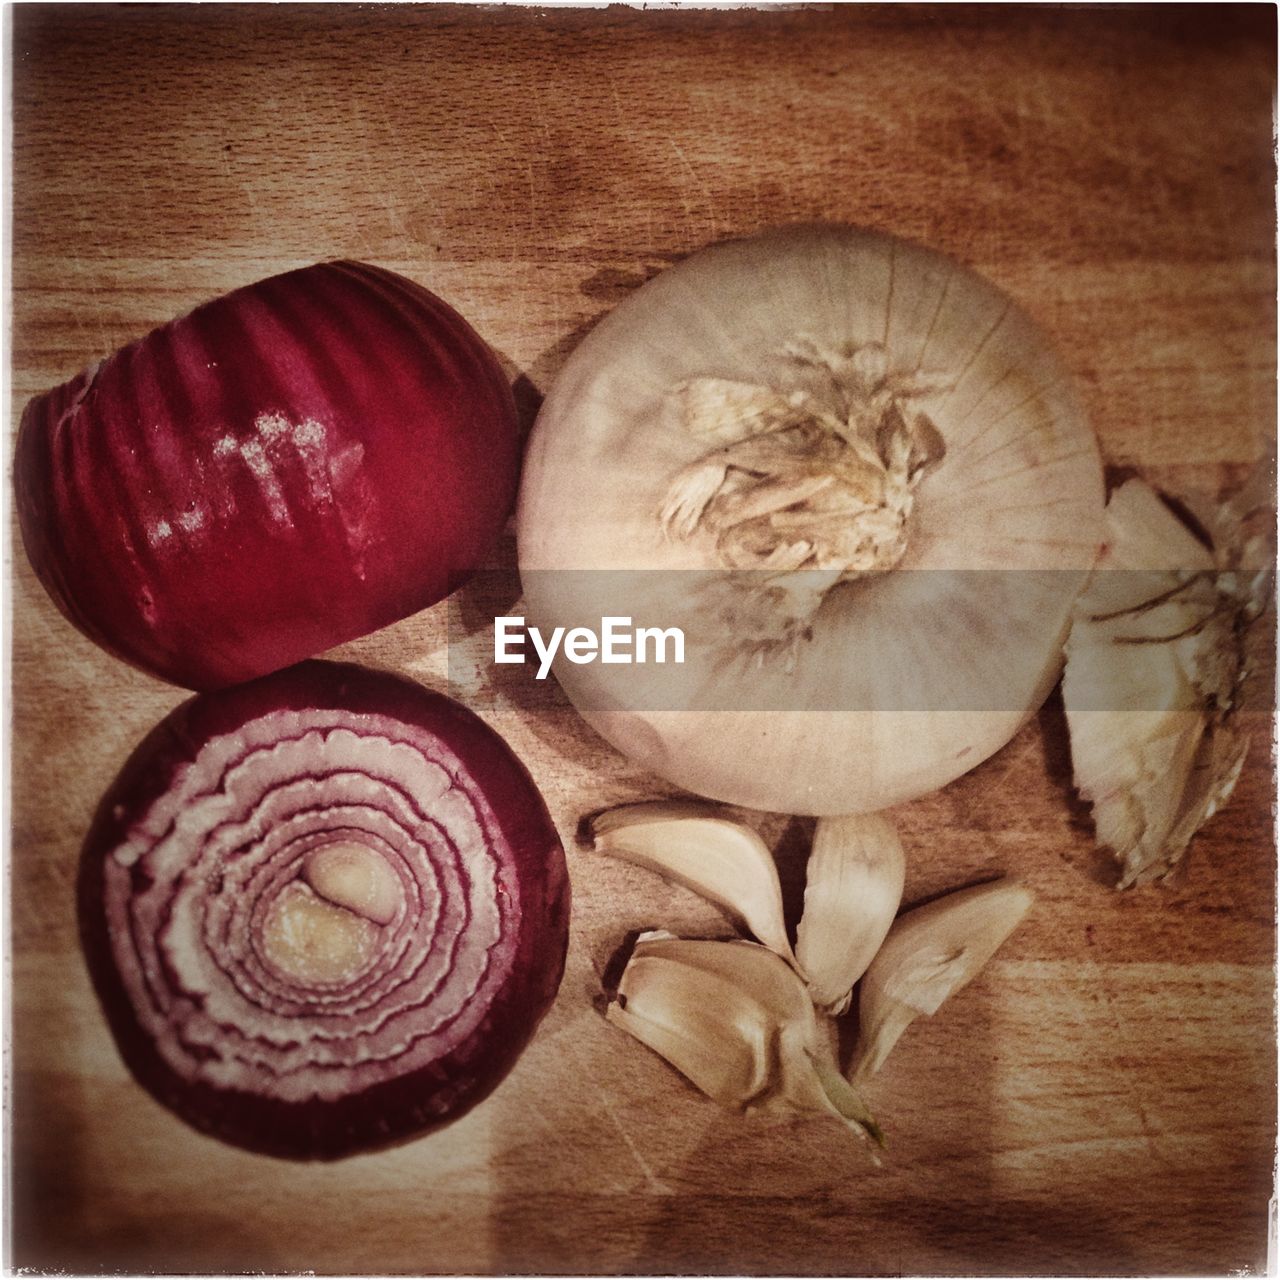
pixel 323 911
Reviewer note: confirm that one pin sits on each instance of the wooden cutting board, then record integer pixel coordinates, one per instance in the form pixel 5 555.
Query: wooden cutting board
pixel 1102 1100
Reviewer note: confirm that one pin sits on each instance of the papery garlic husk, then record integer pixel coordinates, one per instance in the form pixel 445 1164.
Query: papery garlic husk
pixel 853 888
pixel 930 953
pixel 736 1020
pixel 1155 664
pixel 725 862
pixel 888 445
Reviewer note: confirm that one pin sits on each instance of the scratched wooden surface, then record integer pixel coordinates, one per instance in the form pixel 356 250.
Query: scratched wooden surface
pixel 1102 1099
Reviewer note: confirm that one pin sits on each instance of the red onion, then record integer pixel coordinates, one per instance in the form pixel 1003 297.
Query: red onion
pixel 323 911
pixel 287 467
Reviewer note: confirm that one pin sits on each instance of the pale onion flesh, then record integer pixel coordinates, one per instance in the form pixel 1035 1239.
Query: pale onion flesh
pixel 891 443
pixel 1154 673
pixel 323 911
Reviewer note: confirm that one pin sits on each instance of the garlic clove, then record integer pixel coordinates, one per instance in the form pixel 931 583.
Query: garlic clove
pixel 736 1020
pixel 813 1083
pixel 852 893
pixel 702 1025
pixel 931 953
pixel 725 862
pixel 1155 665
pixel 1143 533
pixel 774 986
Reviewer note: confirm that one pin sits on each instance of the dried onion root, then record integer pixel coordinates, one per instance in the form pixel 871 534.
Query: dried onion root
pixel 323 911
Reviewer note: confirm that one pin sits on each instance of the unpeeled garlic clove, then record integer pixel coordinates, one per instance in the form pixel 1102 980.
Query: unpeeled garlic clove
pixel 931 953
pixel 725 862
pixel 736 1020
pixel 852 893
pixel 1154 673
pixel 702 1025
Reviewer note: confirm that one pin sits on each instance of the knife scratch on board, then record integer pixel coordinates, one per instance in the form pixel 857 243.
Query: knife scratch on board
pixel 610 1109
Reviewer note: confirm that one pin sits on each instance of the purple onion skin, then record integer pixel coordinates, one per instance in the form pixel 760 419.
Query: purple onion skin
pixel 290 466
pixel 533 896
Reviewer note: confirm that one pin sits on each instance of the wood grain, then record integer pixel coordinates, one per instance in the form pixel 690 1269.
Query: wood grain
pixel 1102 1100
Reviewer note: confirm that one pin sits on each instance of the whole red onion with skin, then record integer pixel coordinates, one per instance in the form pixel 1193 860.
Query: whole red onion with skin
pixel 323 911
pixel 290 466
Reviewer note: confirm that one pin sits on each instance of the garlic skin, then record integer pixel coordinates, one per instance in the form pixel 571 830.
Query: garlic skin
pixel 931 953
pixel 853 889
pixel 725 862
pixel 736 1020
pixel 1155 663
pixel 987 505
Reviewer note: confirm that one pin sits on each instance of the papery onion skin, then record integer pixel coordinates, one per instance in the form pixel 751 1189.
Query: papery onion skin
pixel 910 678
pixel 290 466
pixel 520 971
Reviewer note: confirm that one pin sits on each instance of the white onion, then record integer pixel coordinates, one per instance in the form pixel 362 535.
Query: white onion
pixel 912 676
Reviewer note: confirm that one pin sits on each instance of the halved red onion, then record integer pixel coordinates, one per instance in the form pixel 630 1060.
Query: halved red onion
pixel 323 911
pixel 292 465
